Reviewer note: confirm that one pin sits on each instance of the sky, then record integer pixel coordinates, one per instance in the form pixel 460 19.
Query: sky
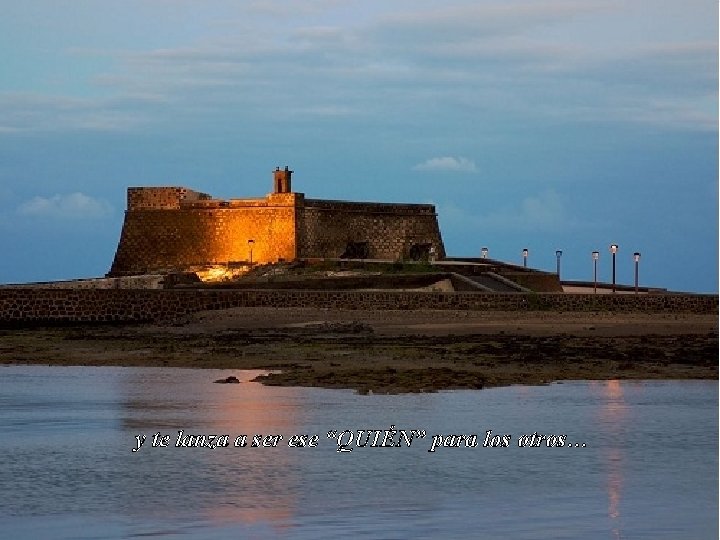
pixel 536 124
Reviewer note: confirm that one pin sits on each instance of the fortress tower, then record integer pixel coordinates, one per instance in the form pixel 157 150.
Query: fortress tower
pixel 282 180
pixel 178 229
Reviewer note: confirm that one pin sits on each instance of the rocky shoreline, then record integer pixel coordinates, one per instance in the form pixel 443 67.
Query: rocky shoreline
pixel 393 351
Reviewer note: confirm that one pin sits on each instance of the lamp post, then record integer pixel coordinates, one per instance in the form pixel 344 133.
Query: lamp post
pixel 636 257
pixel 613 249
pixel 484 253
pixel 525 256
pixel 595 256
pixel 251 242
pixel 558 254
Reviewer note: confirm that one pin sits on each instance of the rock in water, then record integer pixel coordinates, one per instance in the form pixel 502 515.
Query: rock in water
pixel 229 380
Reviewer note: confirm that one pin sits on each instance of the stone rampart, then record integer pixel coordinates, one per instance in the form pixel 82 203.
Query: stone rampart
pixel 161 198
pixel 153 241
pixel 25 307
pixel 370 207
pixel 150 281
pixel 389 231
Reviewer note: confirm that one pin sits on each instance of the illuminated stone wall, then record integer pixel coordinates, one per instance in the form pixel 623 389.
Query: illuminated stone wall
pixel 207 232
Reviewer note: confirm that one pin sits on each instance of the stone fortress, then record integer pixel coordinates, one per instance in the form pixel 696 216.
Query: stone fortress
pixel 176 229
pixel 173 233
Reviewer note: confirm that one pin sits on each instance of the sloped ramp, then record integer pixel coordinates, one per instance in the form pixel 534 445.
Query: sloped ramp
pixel 489 281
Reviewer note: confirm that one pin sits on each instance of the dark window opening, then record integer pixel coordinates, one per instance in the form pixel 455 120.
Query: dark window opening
pixel 420 252
pixel 356 250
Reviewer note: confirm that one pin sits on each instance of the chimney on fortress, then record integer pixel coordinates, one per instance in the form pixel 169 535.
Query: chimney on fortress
pixel 281 180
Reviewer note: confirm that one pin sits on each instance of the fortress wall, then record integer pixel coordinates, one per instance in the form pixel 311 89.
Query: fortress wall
pixel 149 281
pixel 326 227
pixel 176 228
pixel 158 198
pixel 23 307
pixel 156 240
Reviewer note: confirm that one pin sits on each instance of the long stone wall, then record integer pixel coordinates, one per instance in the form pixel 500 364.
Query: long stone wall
pixel 22 307
pixel 149 281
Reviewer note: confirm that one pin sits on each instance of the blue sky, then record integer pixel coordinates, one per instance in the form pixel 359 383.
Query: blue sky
pixel 541 124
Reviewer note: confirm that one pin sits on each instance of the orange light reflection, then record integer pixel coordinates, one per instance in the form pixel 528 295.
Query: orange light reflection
pixel 273 479
pixel 613 413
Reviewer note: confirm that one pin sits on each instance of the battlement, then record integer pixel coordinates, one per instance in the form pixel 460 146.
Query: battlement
pixel 370 207
pixel 161 198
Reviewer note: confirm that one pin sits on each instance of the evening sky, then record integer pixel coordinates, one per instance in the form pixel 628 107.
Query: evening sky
pixel 541 124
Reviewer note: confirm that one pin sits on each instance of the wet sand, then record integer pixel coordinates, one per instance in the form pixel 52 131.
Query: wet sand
pixel 394 351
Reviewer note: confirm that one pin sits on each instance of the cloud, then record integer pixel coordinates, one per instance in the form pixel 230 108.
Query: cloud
pixel 73 206
pixel 478 59
pixel 447 164
pixel 464 62
pixel 32 112
pixel 472 19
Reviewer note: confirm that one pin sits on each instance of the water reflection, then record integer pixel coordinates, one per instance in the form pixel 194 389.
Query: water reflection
pixel 68 434
pixel 273 494
pixel 613 412
pixel 257 485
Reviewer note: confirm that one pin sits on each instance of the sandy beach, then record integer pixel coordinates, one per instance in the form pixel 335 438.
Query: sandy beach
pixel 394 351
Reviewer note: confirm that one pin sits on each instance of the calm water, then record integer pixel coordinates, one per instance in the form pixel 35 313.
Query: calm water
pixel 649 468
